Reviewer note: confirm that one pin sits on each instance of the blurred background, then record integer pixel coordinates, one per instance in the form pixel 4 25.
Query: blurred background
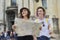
pixel 9 10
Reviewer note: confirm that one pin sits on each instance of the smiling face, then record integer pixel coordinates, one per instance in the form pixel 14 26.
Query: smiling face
pixel 40 12
pixel 24 13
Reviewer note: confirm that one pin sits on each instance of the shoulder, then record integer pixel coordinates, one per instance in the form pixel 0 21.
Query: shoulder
pixel 17 18
pixel 36 20
pixel 48 20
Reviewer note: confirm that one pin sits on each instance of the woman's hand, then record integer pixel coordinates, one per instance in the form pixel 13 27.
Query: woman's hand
pixel 50 33
pixel 34 37
pixel 14 27
pixel 40 28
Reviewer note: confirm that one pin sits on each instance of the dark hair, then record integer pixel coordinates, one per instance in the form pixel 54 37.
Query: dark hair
pixel 42 9
pixel 28 15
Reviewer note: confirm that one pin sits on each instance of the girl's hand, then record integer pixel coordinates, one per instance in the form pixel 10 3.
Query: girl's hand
pixel 13 26
pixel 40 28
pixel 34 37
pixel 50 33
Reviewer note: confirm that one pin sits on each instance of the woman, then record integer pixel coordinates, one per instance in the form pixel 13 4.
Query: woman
pixel 45 24
pixel 25 14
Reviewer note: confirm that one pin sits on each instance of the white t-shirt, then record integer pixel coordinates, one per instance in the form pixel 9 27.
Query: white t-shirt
pixel 44 31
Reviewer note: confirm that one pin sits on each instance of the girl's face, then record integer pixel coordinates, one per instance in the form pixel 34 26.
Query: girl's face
pixel 40 12
pixel 24 12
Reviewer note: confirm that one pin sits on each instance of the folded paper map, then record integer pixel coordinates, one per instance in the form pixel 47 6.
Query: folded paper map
pixel 27 27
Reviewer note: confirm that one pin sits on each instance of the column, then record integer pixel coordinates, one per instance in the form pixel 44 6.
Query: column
pixel 19 4
pixel 58 7
pixel 26 3
pixel 1 10
pixel 32 7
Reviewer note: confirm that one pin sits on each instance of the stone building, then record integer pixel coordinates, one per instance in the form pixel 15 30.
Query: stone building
pixel 9 9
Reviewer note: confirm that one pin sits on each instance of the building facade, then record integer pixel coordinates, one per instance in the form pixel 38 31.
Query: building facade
pixel 52 8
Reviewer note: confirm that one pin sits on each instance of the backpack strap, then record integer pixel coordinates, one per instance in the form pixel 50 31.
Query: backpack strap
pixel 46 20
pixel 37 20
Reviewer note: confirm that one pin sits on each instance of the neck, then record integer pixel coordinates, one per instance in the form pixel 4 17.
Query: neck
pixel 41 18
pixel 25 18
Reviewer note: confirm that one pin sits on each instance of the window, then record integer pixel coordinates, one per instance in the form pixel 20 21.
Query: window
pixel 44 3
pixel 13 2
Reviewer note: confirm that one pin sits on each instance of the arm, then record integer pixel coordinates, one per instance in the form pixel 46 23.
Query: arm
pixel 50 29
pixel 40 28
pixel 50 26
pixel 14 26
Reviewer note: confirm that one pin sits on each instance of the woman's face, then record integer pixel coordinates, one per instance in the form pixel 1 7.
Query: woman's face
pixel 40 12
pixel 24 12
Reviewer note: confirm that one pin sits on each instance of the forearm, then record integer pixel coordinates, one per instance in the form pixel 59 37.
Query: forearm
pixel 50 29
